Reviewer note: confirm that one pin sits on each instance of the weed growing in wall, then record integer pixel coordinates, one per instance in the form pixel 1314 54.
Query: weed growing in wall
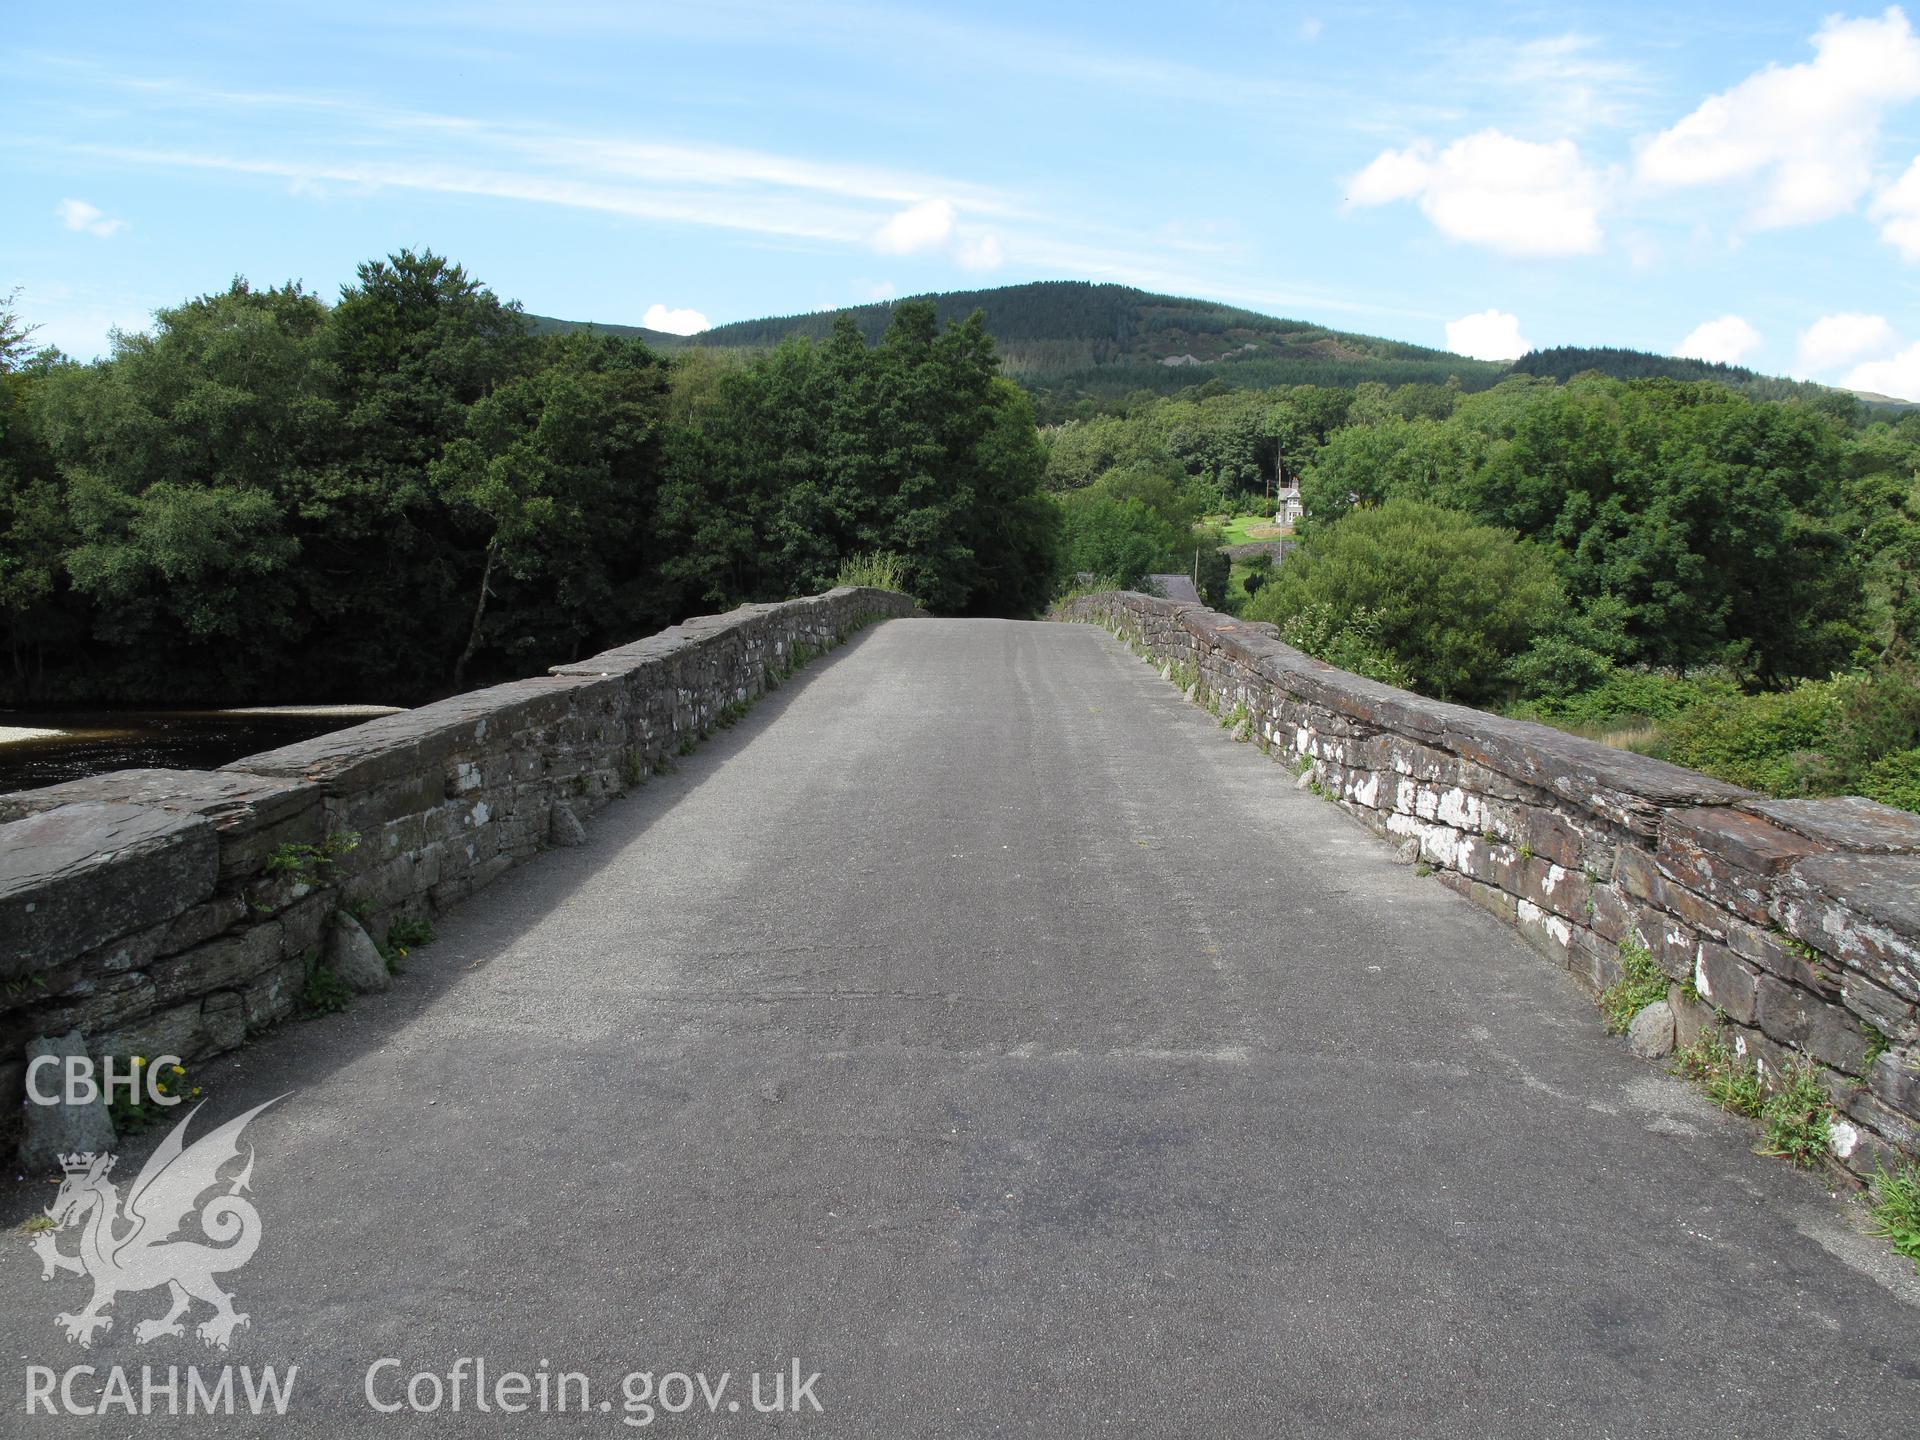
pixel 1877 1042
pixel 1641 983
pixel 311 864
pixel 1796 1116
pixel 1731 1081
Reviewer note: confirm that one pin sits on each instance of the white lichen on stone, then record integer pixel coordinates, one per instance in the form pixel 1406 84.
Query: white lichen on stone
pixel 1843 1137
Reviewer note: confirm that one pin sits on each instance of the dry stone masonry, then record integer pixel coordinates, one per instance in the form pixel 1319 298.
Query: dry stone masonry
pixel 148 912
pixel 1798 921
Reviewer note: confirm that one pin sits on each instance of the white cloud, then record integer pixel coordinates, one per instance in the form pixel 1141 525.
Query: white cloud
pixel 1898 376
pixel 1489 335
pixel 925 226
pixel 980 252
pixel 1897 208
pixel 1312 27
pixel 1807 132
pixel 1724 340
pixel 1836 340
pixel 674 322
pixel 79 215
pixel 1513 196
pixel 1563 84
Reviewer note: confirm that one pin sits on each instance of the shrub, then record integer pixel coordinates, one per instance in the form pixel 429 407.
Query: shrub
pixel 1636 696
pixel 1454 601
pixel 1894 780
pixel 1764 742
pixel 1119 541
pixel 1351 641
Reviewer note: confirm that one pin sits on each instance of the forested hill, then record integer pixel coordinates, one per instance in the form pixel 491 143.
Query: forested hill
pixel 1563 362
pixel 658 339
pixel 1063 338
pixel 1068 336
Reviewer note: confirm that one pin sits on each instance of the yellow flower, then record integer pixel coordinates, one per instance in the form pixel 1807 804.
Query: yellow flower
pixel 161 1088
pixel 179 1069
pixel 139 1059
pixel 196 1089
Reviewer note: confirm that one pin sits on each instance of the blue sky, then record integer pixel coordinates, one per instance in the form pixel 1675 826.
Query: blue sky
pixel 1736 180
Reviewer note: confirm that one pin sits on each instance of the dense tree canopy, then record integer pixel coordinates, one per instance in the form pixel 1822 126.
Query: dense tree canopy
pixel 1696 524
pixel 270 497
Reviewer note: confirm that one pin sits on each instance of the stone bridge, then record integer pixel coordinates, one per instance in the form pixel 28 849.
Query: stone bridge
pixel 971 1019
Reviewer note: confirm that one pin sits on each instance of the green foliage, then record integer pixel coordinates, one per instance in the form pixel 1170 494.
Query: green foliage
pixel 1633 696
pixel 1894 780
pixel 880 569
pixel 1731 1081
pixel 1564 362
pixel 1450 598
pixel 133 1113
pixel 1349 640
pixel 1795 1117
pixel 1753 740
pixel 1878 715
pixel 1119 541
pixel 404 935
pixel 311 864
pixel 813 453
pixel 1877 1043
pixel 1894 1202
pixel 325 992
pixel 1688 524
pixel 1212 571
pixel 410 931
pixel 1079 345
pixel 1641 983
pixel 408 490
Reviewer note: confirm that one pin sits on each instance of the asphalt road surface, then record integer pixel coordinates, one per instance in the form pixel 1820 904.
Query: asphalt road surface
pixel 979 1028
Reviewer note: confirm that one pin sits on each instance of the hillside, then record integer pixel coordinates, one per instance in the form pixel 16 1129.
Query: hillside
pixel 658 339
pixel 1065 338
pixel 1565 361
pixel 1068 336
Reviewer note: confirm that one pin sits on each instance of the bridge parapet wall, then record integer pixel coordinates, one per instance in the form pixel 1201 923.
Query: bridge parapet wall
pixel 177 911
pixel 1798 921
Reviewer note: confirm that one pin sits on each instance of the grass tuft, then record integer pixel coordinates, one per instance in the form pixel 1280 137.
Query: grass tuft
pixel 876 569
pixel 1641 983
pixel 1894 1200
pixel 1731 1081
pixel 1796 1116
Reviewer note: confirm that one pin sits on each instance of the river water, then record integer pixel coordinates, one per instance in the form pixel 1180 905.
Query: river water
pixel 44 748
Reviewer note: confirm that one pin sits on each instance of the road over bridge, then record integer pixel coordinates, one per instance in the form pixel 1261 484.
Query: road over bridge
pixel 978 1027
